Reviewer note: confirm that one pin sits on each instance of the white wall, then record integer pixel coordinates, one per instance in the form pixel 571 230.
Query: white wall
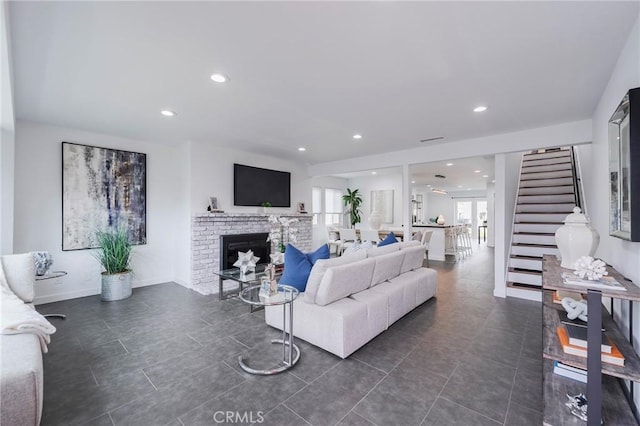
pixel 439 204
pixel 211 174
pixel 38 209
pixel 507 170
pixel 7 136
pixel 623 255
pixel 376 183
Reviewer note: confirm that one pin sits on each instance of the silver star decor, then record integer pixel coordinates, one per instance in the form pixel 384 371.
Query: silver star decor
pixel 246 261
pixel 277 258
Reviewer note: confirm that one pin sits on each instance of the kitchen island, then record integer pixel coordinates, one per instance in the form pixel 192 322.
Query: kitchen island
pixel 438 243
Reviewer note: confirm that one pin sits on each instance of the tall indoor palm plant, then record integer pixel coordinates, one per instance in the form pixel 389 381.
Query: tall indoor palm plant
pixel 353 200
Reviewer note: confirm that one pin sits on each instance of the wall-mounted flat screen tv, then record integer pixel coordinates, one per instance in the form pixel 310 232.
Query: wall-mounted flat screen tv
pixel 253 186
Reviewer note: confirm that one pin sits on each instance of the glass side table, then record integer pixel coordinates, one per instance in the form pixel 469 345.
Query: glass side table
pixel 243 280
pixel 285 296
pixel 48 276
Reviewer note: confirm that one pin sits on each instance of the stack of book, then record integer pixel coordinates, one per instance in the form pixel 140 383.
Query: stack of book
pixel 574 341
pixel 574 373
pixel 558 295
pixel 608 283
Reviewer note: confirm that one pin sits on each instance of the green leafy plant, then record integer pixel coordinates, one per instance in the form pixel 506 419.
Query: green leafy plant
pixel 114 252
pixel 266 204
pixel 353 200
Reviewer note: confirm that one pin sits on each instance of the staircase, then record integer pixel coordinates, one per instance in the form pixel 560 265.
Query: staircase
pixel 546 195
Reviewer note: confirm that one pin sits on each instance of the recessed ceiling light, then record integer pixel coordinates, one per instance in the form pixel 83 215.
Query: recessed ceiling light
pixel 485 176
pixel 476 171
pixel 429 185
pixel 480 108
pixel 468 189
pixel 219 78
pixel 302 149
pixel 459 186
pixel 374 173
pixel 413 181
pixel 493 181
pixel 168 113
pixel 449 164
pixel 357 136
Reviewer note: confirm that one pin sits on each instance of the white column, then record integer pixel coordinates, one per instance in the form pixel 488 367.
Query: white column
pixel 500 267
pixel 406 200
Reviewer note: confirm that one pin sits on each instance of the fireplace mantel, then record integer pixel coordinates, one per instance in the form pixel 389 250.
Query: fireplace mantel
pixel 206 229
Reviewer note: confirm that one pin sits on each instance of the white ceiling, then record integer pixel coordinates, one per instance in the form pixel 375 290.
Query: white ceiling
pixel 460 176
pixel 313 73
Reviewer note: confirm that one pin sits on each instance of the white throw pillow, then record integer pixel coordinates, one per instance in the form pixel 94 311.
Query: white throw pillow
pixel 406 244
pixel 344 280
pixel 379 251
pixel 387 267
pixel 320 268
pixel 413 258
pixel 358 247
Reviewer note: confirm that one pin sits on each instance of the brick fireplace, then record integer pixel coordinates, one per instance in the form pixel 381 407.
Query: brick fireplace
pixel 207 228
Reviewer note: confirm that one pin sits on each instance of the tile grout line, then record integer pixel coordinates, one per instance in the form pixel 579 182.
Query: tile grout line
pixel 288 408
pixel 94 376
pixel 145 375
pixel 111 418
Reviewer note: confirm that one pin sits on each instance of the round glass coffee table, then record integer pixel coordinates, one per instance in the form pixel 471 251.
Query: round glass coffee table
pixel 285 296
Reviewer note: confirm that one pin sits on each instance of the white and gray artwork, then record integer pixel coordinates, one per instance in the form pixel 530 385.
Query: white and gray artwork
pixel 102 189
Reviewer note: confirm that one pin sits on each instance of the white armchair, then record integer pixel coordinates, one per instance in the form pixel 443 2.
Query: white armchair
pixel 370 235
pixel 333 240
pixel 426 237
pixel 348 238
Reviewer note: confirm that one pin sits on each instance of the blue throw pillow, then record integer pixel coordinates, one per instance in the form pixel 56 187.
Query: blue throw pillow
pixel 297 265
pixel 390 239
pixel 321 253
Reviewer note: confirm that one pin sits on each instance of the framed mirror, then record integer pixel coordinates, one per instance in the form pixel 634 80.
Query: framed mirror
pixel 624 164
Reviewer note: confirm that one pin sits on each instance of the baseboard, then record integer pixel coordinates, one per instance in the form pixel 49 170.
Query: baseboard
pixel 40 300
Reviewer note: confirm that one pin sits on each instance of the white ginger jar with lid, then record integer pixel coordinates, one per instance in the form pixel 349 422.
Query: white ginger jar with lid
pixel 576 238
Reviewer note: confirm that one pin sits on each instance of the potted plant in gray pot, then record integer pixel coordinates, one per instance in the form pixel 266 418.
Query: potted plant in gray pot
pixel 114 254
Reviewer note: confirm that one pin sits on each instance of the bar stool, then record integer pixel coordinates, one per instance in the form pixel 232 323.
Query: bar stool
pixel 464 241
pixel 451 242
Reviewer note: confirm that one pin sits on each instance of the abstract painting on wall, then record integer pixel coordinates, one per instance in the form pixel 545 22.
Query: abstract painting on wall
pixel 102 189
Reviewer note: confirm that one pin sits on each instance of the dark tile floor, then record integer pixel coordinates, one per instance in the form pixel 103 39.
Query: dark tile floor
pixel 168 355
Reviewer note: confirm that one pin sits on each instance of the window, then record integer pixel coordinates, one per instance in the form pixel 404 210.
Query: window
pixel 333 206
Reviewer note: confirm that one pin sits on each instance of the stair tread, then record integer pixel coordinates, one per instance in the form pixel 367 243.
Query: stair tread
pixel 525 271
pixel 545 195
pixel 541 212
pixel 520 286
pixel 544 165
pixel 525 257
pixel 538 223
pixel 544 234
pixel 534 245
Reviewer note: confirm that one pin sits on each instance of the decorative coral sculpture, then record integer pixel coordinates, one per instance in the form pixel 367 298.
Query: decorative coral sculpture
pixel 589 268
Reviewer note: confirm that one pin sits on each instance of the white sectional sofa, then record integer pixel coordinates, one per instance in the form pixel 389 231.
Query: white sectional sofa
pixel 21 373
pixel 351 299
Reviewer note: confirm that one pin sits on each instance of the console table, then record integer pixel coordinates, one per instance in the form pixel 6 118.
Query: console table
pixel 605 396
